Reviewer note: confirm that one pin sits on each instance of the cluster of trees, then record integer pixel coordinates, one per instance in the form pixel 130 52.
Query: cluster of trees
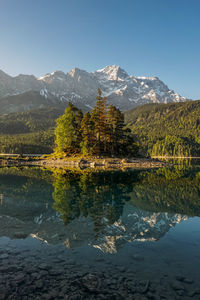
pixel 175 146
pixel 101 132
pixel 167 129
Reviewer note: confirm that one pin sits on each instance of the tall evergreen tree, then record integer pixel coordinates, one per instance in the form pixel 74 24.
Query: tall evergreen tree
pixel 116 125
pixel 88 137
pixel 98 116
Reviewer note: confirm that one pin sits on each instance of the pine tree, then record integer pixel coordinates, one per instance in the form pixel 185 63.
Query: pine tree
pixel 98 117
pixel 88 137
pixel 116 133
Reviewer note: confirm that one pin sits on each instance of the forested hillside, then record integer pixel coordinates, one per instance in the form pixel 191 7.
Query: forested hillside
pixel 162 129
pixel 28 132
pixel 167 129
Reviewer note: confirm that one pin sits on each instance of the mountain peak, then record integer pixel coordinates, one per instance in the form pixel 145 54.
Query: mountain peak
pixel 56 74
pixel 113 72
pixel 76 71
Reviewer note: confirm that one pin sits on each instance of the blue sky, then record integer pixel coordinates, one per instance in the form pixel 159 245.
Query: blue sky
pixel 145 37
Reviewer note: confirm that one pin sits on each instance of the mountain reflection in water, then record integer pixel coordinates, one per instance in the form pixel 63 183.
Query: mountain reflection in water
pixel 105 209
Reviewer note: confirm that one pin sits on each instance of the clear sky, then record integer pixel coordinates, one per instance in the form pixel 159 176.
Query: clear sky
pixel 145 37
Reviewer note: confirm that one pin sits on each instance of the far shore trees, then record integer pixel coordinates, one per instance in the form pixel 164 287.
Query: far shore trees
pixel 101 132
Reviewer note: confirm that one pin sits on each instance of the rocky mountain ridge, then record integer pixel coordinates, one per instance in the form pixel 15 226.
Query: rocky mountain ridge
pixel 80 87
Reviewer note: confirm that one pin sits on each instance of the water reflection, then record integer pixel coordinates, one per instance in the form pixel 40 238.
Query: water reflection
pixel 175 190
pixel 102 195
pixel 102 208
pixel 99 195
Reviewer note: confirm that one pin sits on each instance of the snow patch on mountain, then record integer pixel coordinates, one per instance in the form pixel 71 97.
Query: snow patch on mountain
pixel 44 93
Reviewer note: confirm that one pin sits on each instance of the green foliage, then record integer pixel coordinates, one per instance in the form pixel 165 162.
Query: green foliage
pixel 101 132
pixel 172 146
pixel 88 138
pixel 99 118
pixel 167 129
pixel 35 143
pixel 67 132
pixel 28 132
pixel 116 129
pixel 31 121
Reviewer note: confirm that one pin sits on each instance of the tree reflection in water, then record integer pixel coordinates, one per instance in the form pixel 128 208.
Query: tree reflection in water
pixel 101 195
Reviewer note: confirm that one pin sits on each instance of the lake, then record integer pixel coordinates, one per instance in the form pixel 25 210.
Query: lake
pixel 100 234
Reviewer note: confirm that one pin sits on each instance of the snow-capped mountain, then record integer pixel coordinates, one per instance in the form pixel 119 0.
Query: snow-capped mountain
pixel 80 87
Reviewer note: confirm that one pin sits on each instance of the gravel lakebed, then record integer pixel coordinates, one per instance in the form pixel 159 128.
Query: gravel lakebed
pixel 54 273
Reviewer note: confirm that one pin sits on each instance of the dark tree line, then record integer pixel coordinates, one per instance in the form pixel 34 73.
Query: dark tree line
pixel 101 132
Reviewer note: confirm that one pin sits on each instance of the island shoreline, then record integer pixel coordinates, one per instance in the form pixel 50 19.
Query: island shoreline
pixel 86 162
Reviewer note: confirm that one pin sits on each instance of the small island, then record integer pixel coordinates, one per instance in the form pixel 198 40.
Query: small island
pixel 95 139
pixel 99 133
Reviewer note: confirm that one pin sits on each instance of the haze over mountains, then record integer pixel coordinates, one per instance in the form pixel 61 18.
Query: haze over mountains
pixel 25 92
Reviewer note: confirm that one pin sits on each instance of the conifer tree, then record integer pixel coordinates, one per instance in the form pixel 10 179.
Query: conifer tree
pixel 98 116
pixel 88 137
pixel 116 124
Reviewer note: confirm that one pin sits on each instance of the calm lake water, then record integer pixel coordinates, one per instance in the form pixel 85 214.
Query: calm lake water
pixel 134 224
